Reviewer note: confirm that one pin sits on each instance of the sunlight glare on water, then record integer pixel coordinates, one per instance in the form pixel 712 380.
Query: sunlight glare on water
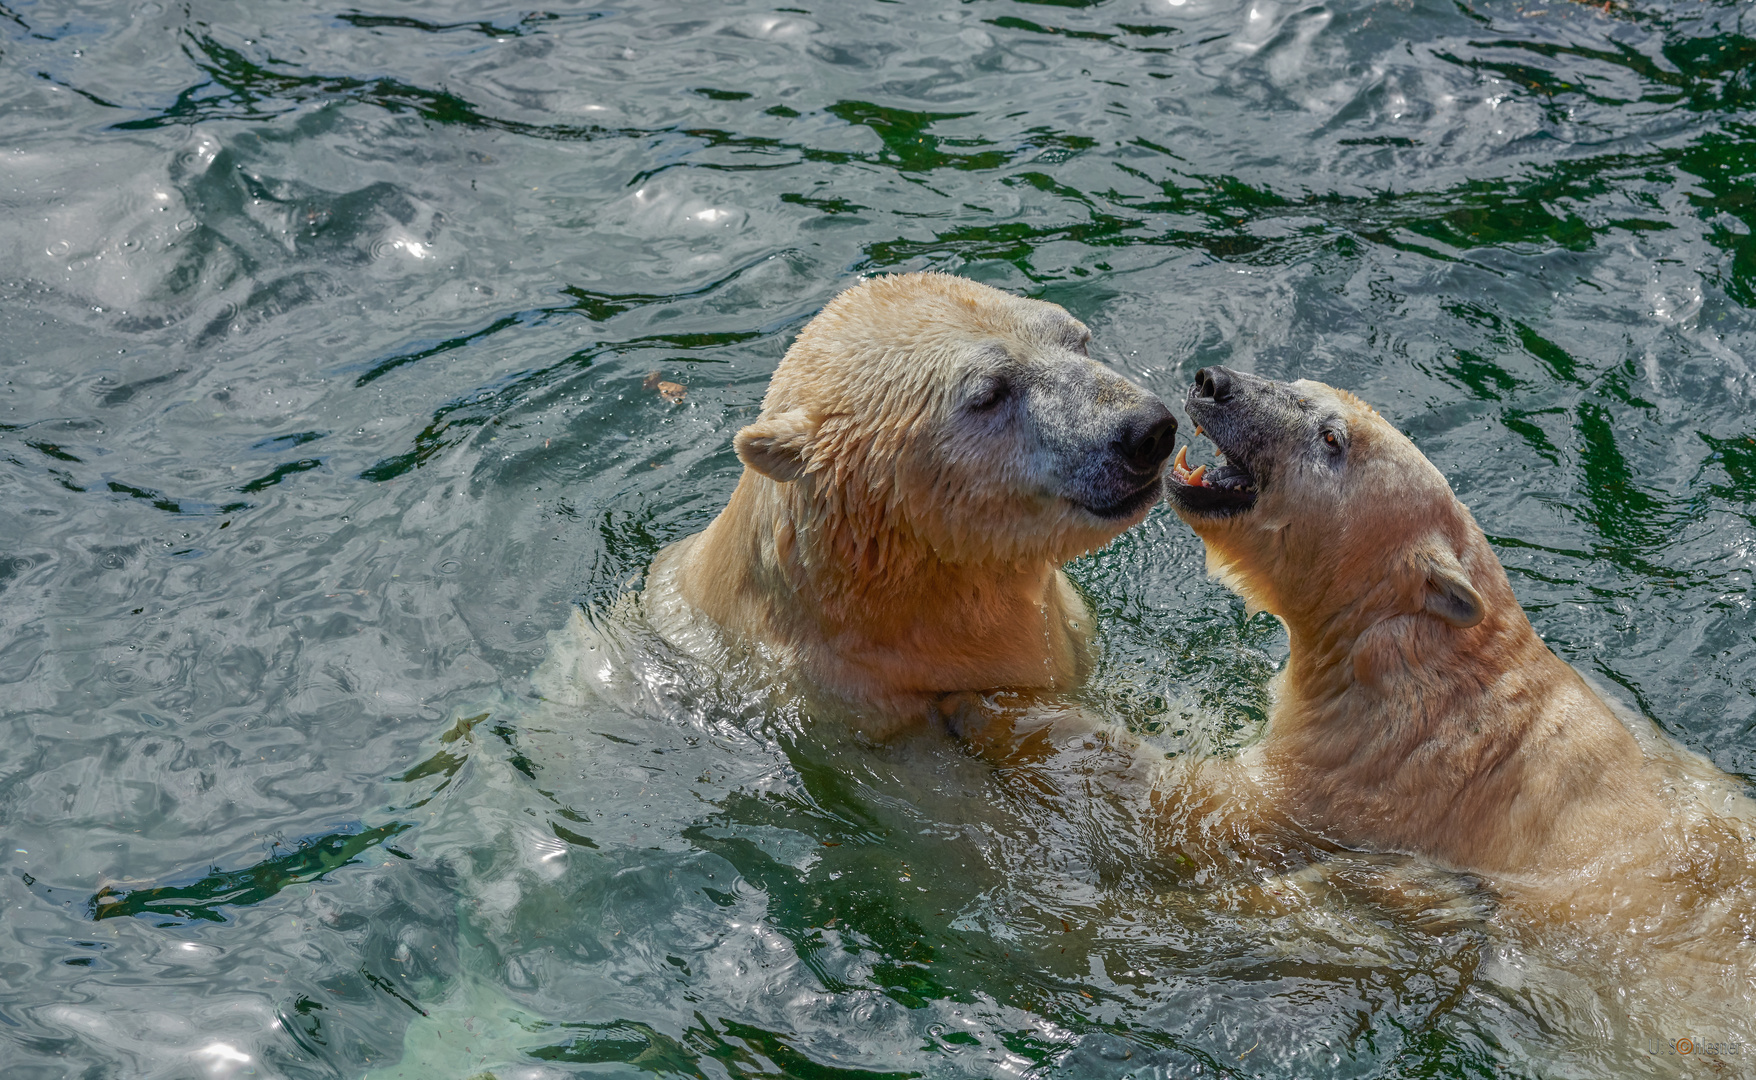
pixel 328 335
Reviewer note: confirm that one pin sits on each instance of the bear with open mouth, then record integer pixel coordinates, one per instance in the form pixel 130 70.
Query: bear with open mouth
pixel 1420 713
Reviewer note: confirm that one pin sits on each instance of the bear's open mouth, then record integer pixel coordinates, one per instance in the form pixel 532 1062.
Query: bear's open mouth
pixel 1225 487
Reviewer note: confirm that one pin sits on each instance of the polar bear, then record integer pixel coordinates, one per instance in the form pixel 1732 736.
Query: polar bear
pixel 930 451
pixel 1419 712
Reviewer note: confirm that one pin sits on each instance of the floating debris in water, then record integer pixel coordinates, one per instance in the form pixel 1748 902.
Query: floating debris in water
pixel 670 391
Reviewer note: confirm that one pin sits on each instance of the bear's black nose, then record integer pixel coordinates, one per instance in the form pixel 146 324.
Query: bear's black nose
pixel 1147 433
pixel 1214 384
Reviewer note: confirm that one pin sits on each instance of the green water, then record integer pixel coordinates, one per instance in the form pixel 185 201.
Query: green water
pixel 324 335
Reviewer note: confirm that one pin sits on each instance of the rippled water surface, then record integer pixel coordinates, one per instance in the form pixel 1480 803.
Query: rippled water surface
pixel 326 337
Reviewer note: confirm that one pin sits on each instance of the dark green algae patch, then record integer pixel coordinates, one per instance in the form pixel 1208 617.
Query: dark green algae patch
pixel 203 899
pixel 326 343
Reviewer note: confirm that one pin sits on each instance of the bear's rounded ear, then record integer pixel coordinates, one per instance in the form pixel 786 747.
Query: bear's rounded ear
pixel 778 446
pixel 1450 596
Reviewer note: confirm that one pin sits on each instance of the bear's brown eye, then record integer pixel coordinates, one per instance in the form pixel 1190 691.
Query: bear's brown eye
pixel 1331 441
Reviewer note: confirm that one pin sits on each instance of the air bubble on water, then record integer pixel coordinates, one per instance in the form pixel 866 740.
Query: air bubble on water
pixel 399 243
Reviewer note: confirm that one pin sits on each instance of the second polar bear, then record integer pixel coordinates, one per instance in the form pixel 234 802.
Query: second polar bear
pixel 929 453
pixel 1419 712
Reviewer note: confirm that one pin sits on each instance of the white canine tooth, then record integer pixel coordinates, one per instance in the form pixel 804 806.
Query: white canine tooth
pixel 1195 478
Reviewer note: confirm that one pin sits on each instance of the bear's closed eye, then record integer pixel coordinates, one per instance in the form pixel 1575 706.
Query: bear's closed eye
pixel 990 395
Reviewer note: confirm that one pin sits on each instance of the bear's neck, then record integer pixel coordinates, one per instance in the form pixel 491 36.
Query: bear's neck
pixel 1474 745
pixel 872 615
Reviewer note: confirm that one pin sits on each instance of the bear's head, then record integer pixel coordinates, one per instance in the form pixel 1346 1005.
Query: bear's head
pixel 926 412
pixel 1322 512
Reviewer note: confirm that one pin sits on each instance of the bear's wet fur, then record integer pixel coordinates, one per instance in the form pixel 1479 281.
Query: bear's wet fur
pixel 929 453
pixel 1420 713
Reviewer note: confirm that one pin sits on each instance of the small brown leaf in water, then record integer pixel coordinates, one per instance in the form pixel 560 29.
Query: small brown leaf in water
pixel 651 381
pixel 672 392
